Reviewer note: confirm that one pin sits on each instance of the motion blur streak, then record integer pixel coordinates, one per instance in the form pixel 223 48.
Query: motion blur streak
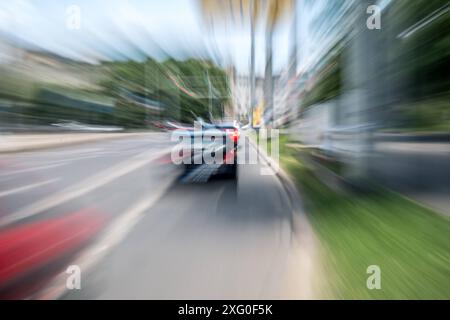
pixel 27 248
pixel 358 177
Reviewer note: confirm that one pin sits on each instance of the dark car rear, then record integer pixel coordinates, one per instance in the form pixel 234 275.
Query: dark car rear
pixel 213 151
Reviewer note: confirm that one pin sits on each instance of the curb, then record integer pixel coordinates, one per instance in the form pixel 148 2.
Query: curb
pixel 288 185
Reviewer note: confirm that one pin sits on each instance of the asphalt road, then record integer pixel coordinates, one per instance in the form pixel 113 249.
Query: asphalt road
pixel 163 238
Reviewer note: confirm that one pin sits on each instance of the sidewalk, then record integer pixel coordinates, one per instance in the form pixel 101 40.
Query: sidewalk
pixel 31 142
pixel 304 269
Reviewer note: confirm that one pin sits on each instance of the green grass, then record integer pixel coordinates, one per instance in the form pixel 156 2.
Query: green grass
pixel 407 241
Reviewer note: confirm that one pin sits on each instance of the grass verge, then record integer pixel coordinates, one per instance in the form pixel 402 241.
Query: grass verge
pixel 408 242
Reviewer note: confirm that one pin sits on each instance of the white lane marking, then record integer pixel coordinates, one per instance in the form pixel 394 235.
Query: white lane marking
pixel 27 188
pixel 70 152
pixel 112 236
pixel 83 156
pixel 70 160
pixel 56 156
pixel 85 186
pixel 80 157
pixel 50 166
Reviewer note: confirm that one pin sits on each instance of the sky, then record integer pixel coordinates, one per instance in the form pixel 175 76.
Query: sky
pixel 121 29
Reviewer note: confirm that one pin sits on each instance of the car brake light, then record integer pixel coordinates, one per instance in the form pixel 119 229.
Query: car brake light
pixel 233 133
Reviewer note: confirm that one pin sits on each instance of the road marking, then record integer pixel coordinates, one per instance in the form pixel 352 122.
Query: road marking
pixel 80 157
pixel 27 188
pixel 112 236
pixel 50 166
pixel 58 156
pixel 94 155
pixel 70 160
pixel 85 186
pixel 60 153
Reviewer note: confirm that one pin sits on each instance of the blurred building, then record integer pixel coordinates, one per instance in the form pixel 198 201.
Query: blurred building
pixel 39 88
pixel 375 99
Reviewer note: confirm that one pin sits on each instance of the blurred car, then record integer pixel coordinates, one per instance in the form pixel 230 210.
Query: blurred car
pixel 212 151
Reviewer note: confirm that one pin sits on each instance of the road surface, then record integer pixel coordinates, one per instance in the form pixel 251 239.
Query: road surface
pixel 163 238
